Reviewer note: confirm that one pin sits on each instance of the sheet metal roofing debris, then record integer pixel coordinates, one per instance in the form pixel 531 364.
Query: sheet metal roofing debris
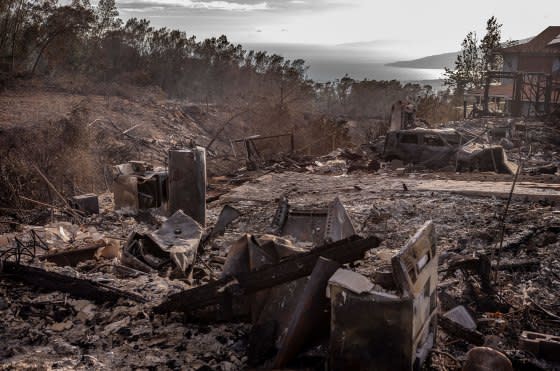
pixel 175 242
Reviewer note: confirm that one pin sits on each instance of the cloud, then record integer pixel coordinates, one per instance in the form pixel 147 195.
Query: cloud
pixel 139 5
pixel 235 5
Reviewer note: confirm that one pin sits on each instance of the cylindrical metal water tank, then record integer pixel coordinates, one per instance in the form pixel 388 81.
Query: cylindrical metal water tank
pixel 187 182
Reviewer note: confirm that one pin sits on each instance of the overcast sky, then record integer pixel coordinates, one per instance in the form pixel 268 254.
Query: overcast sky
pixel 423 26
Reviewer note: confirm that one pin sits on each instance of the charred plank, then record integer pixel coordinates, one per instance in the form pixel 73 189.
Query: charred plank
pixel 77 287
pixel 291 268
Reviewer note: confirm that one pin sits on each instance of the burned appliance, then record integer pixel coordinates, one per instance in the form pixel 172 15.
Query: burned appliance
pixel 319 225
pixel 137 186
pixel 389 324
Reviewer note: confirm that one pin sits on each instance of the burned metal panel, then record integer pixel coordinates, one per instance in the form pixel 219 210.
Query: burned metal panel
pixel 152 190
pixel 237 260
pixel 137 187
pixel 306 225
pixel 379 330
pixel 309 316
pixel 179 236
pixel 373 328
pixel 319 225
pixel 416 263
pixel 227 216
pixel 339 225
pixel 125 190
pixel 187 182
pixel 175 242
pixel 87 203
pixel 369 332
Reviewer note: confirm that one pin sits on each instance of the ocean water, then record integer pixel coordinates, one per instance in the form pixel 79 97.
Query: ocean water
pixel 327 63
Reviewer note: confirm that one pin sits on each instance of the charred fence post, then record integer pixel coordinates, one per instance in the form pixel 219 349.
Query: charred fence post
pixel 187 182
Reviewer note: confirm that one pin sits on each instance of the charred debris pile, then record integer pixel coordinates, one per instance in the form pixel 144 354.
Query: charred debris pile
pixel 425 249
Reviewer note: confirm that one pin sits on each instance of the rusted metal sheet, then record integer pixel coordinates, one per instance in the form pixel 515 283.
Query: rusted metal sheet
pixel 187 182
pixel 320 225
pixel 378 329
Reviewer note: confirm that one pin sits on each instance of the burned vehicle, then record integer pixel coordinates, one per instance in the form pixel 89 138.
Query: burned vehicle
pixel 444 148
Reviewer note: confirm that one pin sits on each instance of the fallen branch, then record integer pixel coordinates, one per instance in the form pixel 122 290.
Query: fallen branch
pixel 68 208
pixel 544 310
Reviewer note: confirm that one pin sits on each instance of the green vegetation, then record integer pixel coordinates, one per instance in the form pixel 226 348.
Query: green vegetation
pixel 475 59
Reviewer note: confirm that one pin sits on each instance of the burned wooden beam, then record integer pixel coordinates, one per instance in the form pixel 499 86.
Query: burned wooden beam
pixel 73 257
pixel 77 287
pixel 291 268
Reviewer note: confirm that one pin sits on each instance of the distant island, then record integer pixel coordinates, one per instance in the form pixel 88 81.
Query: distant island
pixel 441 61
pixel 438 61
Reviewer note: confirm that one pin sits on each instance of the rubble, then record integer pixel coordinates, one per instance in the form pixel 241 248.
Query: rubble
pixel 88 203
pixel 543 346
pixel 303 263
pixel 176 242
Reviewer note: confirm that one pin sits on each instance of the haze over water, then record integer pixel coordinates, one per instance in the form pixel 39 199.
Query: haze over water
pixel 359 61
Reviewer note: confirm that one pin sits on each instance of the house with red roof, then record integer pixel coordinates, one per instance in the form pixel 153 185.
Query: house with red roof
pixel 529 82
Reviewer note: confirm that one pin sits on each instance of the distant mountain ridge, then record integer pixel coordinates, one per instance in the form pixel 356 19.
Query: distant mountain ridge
pixel 438 61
